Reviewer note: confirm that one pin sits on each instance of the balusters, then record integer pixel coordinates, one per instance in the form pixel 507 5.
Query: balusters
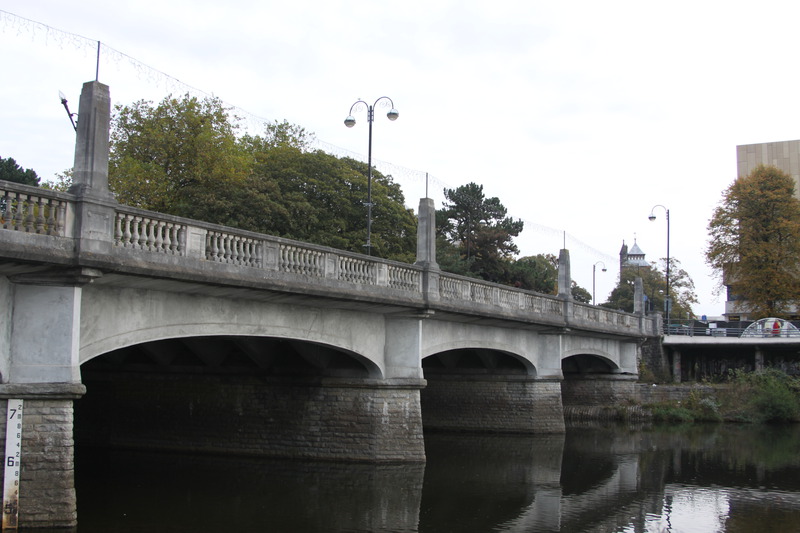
pixel 403 278
pixel 148 234
pixel 32 213
pixel 40 220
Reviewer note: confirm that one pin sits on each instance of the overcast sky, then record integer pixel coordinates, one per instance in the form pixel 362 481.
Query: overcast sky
pixel 579 116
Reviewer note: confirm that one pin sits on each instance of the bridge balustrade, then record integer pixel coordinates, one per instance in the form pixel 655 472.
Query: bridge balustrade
pixel 600 315
pixel 47 212
pixel 149 234
pixel 32 210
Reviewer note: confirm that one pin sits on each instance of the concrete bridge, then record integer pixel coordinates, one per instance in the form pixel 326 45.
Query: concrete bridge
pixel 123 327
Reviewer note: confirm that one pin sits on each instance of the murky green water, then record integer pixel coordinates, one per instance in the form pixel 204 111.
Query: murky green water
pixel 600 479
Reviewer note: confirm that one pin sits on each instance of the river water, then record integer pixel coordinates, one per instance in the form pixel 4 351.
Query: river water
pixel 714 478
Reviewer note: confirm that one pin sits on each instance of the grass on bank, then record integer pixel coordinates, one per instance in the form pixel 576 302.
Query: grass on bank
pixel 769 396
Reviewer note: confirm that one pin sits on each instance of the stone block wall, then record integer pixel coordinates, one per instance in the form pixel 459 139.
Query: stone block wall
pixel 655 361
pixel 331 419
pixel 47 487
pixel 598 390
pixel 492 404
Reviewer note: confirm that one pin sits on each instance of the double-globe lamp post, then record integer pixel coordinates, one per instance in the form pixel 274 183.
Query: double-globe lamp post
pixel 594 269
pixel 667 300
pixel 350 121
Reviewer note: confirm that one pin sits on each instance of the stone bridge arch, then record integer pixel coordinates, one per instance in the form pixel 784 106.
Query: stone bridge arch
pixel 595 378
pixel 583 361
pixel 152 317
pixel 484 378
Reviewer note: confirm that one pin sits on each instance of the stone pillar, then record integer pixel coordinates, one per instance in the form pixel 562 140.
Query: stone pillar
pixel 44 371
pixel 426 249
pixel 45 325
pixel 564 276
pixel 90 173
pixel 402 348
pixel 47 482
pixel 638 296
pixel 426 234
pixel 94 211
pixel 676 365
pixel 758 364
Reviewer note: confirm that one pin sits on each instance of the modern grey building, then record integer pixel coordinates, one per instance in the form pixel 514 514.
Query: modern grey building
pixel 783 154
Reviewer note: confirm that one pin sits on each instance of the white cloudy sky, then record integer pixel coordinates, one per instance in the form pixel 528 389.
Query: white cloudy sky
pixel 579 115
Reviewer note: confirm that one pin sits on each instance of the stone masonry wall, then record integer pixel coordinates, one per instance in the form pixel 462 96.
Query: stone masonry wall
pixel 333 419
pixel 47 487
pixel 597 391
pixel 655 362
pixel 492 404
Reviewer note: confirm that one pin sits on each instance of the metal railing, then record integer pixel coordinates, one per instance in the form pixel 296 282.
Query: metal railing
pixel 696 328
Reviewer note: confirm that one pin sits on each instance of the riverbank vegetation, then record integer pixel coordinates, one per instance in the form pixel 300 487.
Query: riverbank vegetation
pixel 769 396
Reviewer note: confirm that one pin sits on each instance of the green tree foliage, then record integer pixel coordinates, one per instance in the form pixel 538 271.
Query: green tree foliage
pixel 754 243
pixel 11 171
pixel 479 228
pixel 681 288
pixel 319 198
pixel 536 273
pixel 579 294
pixel 179 157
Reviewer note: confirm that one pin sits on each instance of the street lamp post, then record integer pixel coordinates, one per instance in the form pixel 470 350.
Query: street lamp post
pixel 350 122
pixel 594 268
pixel 667 300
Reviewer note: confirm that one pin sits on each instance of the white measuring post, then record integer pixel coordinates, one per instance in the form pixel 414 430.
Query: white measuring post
pixel 12 460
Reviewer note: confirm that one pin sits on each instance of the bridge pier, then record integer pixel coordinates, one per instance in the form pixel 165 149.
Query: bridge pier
pixel 47 482
pixel 598 390
pixel 492 403
pixel 41 368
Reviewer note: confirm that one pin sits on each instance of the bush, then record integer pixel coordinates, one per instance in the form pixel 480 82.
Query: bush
pixel 767 396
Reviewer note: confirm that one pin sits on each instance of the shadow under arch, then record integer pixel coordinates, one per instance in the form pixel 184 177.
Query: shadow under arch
pixel 583 364
pixel 261 396
pixel 476 361
pixel 231 354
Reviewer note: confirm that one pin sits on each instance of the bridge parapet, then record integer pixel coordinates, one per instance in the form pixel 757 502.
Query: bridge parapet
pixel 35 210
pixel 464 289
pixel 145 236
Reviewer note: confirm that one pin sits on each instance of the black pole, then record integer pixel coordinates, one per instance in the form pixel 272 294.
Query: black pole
pixel 370 117
pixel 669 303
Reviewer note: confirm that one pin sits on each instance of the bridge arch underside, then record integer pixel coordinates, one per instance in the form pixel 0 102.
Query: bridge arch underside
pixel 594 380
pixel 483 390
pixel 261 396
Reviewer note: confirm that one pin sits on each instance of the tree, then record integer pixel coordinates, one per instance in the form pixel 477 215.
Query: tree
pixel 754 244
pixel 478 226
pixel 535 273
pixel 579 294
pixel 11 171
pixel 179 157
pixel 681 289
pixel 319 198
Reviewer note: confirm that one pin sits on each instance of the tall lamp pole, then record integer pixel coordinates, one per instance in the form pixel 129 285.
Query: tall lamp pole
pixel 667 300
pixel 350 122
pixel 594 268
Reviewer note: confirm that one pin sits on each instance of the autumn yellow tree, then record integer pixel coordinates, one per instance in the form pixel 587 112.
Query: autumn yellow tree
pixel 754 243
